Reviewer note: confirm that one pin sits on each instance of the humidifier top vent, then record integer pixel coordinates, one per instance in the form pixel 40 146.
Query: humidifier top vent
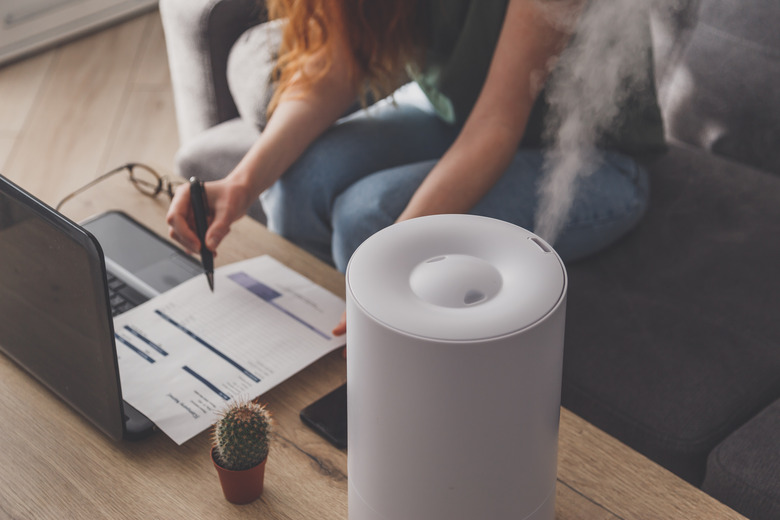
pixel 456 278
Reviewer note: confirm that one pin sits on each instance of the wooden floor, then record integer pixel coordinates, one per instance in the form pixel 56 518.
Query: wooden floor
pixel 75 111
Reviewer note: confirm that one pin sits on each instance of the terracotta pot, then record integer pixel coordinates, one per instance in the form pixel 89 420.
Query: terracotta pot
pixel 241 487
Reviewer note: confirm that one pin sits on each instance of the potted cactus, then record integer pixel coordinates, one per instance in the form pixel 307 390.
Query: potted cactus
pixel 240 449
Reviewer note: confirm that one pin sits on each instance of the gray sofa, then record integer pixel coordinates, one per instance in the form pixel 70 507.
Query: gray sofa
pixel 673 334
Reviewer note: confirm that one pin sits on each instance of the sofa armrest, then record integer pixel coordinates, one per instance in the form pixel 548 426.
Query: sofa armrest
pixel 199 35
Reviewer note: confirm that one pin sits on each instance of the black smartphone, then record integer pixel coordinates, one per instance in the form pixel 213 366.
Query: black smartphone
pixel 328 417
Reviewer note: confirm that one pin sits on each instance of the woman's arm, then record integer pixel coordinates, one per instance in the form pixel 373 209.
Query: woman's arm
pixel 528 43
pixel 299 118
pixel 532 35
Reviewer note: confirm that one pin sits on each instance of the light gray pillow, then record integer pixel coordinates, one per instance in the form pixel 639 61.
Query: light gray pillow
pixel 250 64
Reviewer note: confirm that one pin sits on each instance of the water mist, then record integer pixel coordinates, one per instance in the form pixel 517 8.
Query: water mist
pixel 592 78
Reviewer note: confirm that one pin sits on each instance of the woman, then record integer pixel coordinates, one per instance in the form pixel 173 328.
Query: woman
pixel 328 182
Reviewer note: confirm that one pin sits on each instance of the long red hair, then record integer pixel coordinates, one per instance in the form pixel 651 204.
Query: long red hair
pixel 383 36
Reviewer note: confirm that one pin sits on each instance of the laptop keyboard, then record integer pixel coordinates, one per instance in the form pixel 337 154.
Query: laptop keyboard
pixel 121 296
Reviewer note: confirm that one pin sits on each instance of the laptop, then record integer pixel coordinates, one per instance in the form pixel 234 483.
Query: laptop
pixel 61 283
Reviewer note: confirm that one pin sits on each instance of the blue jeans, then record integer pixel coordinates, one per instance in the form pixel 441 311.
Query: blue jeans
pixel 359 175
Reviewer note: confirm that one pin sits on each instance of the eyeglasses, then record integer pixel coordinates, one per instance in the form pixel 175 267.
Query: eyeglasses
pixel 143 177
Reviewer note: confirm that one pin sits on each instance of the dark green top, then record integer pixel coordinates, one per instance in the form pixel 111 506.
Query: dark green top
pixel 463 37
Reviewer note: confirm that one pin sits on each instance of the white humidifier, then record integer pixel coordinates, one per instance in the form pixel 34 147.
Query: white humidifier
pixel 454 355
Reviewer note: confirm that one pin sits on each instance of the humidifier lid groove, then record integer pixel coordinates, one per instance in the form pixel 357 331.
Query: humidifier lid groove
pixel 456 278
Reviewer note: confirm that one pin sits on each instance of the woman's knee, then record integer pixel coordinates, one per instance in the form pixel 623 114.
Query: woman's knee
pixel 605 209
pixel 351 150
pixel 302 197
pixel 607 203
pixel 353 222
pixel 371 205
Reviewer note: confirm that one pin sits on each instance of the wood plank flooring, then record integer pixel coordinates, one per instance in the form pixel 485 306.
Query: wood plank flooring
pixel 77 110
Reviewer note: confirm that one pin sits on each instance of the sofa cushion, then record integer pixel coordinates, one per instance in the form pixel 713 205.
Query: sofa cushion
pixel 672 24
pixel 743 472
pixel 672 336
pixel 198 38
pixel 249 68
pixel 722 94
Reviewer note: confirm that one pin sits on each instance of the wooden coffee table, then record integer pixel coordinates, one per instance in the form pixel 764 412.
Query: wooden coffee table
pixel 54 464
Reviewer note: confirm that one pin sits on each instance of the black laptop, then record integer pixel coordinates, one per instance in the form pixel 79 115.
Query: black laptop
pixel 61 283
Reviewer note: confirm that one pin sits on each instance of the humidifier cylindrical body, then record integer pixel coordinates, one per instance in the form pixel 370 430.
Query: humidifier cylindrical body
pixel 454 357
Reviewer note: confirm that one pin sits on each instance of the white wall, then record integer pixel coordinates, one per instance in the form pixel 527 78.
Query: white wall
pixel 27 26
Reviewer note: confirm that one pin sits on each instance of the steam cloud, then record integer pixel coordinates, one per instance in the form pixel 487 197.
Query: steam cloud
pixel 593 77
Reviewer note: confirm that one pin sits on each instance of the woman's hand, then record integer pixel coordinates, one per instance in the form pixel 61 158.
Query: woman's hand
pixel 227 202
pixel 341 328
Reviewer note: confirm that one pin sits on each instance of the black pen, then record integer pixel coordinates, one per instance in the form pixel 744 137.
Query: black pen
pixel 200 209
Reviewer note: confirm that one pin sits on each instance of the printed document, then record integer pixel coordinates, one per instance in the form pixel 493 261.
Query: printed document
pixel 184 355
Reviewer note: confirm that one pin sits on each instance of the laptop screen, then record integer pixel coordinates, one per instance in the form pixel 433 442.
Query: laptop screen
pixel 54 317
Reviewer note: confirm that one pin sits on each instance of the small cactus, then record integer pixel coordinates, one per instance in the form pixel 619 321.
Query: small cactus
pixel 241 436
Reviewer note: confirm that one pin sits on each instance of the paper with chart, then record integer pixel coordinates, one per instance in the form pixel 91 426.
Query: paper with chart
pixel 186 353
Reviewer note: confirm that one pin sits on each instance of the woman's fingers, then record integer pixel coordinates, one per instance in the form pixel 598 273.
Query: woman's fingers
pixel 179 220
pixel 341 328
